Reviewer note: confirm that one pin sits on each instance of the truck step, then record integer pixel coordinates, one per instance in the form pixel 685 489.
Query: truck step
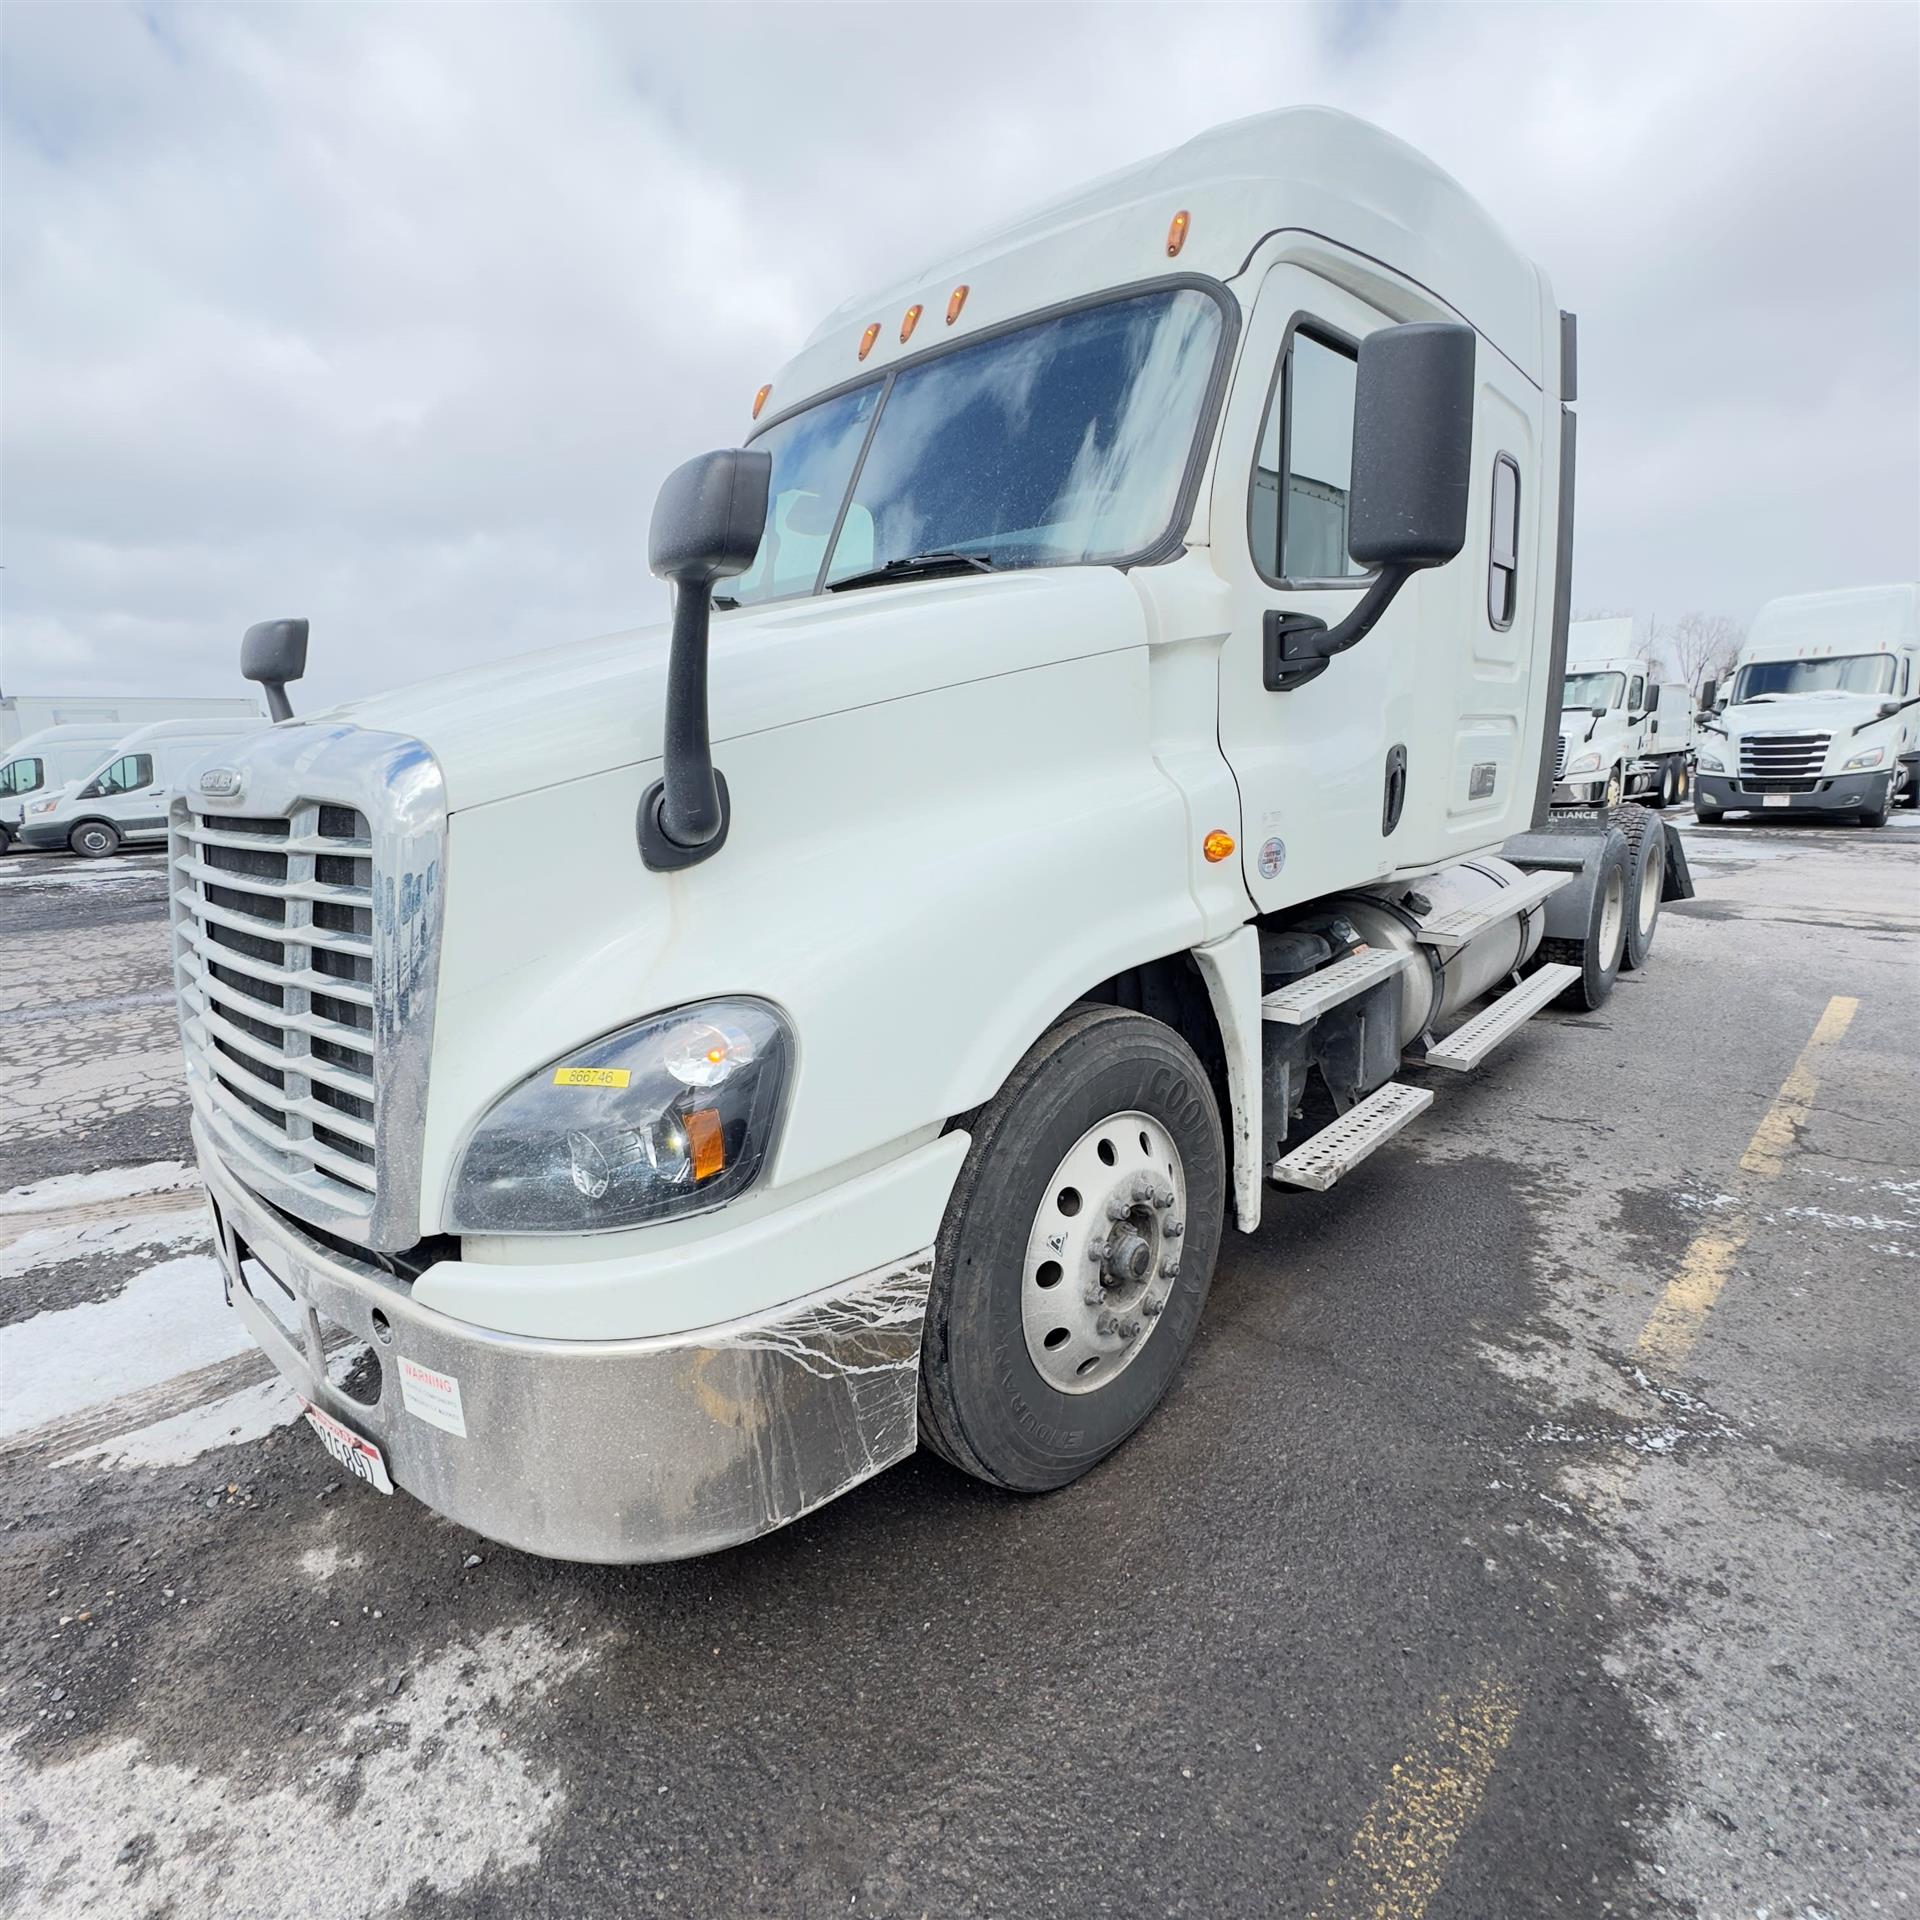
pixel 1466 1046
pixel 1448 934
pixel 1306 1000
pixel 1339 1148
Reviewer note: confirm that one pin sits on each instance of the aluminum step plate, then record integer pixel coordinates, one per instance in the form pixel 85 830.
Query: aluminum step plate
pixel 1448 934
pixel 1306 1000
pixel 1466 1046
pixel 1341 1147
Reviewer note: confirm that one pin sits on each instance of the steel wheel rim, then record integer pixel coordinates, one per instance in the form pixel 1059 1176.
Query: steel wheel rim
pixel 1613 918
pixel 1651 879
pixel 1103 1254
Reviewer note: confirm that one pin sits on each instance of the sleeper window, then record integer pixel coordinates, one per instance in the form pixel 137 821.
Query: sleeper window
pixel 1299 528
pixel 1503 552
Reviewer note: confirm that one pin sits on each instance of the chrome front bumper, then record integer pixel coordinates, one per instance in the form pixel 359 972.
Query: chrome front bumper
pixel 606 1450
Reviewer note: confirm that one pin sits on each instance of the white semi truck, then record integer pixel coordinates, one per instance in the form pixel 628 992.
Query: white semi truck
pixel 1097 772
pixel 1625 734
pixel 1823 713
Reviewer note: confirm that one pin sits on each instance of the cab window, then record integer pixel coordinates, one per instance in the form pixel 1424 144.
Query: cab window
pixel 1303 471
pixel 128 774
pixel 1637 696
pixel 23 775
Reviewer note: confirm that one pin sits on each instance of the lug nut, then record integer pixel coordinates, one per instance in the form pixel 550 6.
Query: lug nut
pixel 1173 1229
pixel 1131 1328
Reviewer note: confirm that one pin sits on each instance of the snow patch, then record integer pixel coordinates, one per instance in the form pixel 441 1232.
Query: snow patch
pixel 97 1239
pixel 436 1796
pixel 251 1414
pixel 167 1321
pixel 112 1183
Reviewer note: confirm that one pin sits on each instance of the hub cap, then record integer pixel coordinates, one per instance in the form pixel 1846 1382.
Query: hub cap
pixel 1103 1253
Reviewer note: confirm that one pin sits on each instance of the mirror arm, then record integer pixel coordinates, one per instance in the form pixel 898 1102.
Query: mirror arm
pixel 1298 646
pixel 684 815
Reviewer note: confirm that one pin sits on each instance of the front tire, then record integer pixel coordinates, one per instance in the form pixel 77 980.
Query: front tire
pixel 1616 790
pixel 1076 1252
pixel 94 839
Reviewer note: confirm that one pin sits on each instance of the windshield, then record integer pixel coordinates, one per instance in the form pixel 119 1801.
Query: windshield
pixel 1060 442
pixel 20 776
pixel 1593 689
pixel 1843 673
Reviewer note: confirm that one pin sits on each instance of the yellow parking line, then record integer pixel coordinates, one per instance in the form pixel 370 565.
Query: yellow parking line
pixel 1676 1320
pixel 1400 1853
pixel 1402 1847
pixel 1767 1150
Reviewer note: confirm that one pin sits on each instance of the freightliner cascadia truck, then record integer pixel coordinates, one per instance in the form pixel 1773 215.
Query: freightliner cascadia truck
pixel 1624 733
pixel 1822 714
pixel 1095 782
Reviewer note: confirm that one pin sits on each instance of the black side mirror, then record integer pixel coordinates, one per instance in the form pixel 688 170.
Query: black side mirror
pixel 1653 697
pixel 707 525
pixel 272 653
pixel 1412 467
pixel 1707 691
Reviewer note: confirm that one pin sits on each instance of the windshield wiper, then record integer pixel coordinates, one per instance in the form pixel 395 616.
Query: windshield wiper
pixel 915 566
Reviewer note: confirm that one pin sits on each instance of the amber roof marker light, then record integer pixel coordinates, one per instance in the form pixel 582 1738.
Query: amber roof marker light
pixel 909 321
pixel 760 399
pixel 955 301
pixel 868 338
pixel 1177 233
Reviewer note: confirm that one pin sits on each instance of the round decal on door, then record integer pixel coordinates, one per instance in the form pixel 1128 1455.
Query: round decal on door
pixel 1273 856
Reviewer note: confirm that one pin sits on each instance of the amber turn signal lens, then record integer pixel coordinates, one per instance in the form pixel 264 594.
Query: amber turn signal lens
pixel 705 1145
pixel 1217 845
pixel 908 324
pixel 868 338
pixel 955 302
pixel 760 399
pixel 1177 233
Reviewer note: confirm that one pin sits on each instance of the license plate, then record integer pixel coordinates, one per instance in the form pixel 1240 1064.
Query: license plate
pixel 361 1458
pixel 1776 799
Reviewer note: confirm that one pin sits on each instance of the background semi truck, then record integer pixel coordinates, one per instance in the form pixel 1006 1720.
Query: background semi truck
pixel 1096 779
pixel 1823 713
pixel 1625 733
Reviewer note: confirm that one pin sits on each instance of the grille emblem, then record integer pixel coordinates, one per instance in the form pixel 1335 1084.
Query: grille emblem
pixel 229 783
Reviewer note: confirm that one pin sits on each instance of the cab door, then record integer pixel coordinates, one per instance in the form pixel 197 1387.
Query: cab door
pixel 1316 764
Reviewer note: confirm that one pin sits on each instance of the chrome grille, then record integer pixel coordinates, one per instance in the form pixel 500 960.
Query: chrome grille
pixel 306 879
pixel 1560 758
pixel 274 967
pixel 1782 762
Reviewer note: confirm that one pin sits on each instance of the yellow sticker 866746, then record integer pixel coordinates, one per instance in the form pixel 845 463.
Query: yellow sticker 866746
pixel 591 1076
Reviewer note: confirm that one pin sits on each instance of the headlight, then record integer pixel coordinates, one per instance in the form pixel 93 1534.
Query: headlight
pixel 1586 763
pixel 37 807
pixel 1705 762
pixel 673 1116
pixel 1871 758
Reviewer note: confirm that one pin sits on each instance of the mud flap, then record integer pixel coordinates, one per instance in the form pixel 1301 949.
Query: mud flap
pixel 1676 879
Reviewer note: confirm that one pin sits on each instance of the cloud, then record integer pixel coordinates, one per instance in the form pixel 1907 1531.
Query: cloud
pixel 397 316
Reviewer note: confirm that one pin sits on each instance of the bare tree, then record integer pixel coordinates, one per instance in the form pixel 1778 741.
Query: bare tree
pixel 1697 645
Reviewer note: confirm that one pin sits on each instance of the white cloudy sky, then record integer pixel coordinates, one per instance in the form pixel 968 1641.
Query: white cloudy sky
pixel 395 315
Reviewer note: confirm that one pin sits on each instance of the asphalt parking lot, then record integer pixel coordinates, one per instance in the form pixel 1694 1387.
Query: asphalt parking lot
pixel 1533 1530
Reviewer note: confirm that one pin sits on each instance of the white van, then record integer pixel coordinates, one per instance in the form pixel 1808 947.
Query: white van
pixel 120 798
pixel 45 762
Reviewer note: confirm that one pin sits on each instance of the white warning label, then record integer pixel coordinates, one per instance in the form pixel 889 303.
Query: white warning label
pixel 431 1396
